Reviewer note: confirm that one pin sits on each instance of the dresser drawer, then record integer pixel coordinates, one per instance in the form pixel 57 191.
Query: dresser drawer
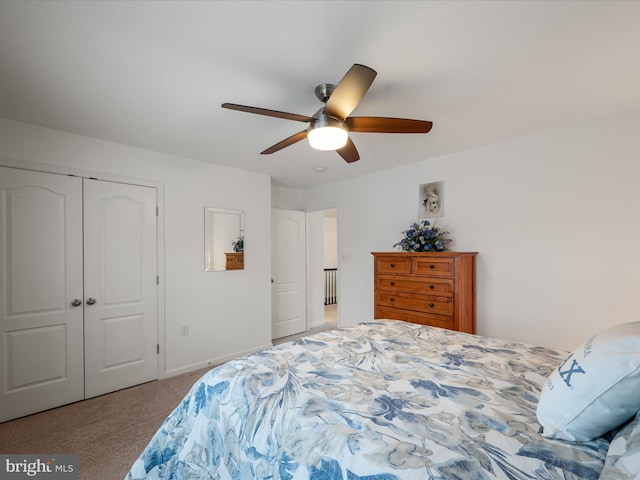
pixel 426 286
pixel 433 267
pixel 415 317
pixel 393 265
pixel 418 303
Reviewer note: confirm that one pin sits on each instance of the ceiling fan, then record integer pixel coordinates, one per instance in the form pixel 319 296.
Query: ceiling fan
pixel 329 127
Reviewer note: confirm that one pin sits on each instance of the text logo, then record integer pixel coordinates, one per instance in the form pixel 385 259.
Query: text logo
pixel 50 467
pixel 573 368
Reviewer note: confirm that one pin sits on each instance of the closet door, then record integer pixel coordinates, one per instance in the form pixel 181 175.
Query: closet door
pixel 41 354
pixel 120 286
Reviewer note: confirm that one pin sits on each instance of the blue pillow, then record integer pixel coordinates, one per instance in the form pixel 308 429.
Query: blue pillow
pixel 595 389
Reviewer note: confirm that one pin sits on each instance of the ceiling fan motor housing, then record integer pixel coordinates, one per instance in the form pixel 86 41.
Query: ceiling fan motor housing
pixel 320 119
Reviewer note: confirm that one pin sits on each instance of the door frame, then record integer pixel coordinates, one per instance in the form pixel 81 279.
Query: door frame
pixel 160 225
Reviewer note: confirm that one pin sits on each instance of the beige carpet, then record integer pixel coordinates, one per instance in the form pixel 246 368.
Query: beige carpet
pixel 108 432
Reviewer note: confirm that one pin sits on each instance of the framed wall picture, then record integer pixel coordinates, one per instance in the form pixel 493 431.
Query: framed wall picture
pixel 431 197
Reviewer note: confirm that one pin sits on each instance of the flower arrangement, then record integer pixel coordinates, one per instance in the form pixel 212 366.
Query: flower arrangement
pixel 238 245
pixel 423 237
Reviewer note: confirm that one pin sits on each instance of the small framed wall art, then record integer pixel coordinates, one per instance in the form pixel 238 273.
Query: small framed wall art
pixel 431 200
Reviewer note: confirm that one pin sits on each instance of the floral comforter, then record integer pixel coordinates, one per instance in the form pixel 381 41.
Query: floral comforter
pixel 383 400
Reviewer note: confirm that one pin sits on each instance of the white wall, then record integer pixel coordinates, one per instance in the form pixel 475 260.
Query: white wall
pixel 287 198
pixel 554 217
pixel 223 324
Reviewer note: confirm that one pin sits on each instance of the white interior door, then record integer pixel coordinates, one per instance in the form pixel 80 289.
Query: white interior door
pixel 120 286
pixel 41 354
pixel 288 272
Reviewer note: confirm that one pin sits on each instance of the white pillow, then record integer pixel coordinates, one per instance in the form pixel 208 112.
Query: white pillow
pixel 595 389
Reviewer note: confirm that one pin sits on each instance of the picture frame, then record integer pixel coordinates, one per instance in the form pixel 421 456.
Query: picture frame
pixel 431 200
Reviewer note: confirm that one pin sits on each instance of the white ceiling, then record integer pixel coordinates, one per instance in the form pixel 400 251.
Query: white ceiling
pixel 153 74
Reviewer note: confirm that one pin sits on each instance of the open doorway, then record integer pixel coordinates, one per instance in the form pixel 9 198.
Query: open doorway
pixel 322 273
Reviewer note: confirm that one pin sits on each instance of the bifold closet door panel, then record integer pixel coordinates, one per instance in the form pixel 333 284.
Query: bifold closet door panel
pixel 41 292
pixel 120 286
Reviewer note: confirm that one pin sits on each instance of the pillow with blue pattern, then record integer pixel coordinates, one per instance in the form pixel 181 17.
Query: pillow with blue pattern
pixel 595 389
pixel 623 457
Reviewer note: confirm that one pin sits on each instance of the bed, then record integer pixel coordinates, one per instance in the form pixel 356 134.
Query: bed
pixel 382 400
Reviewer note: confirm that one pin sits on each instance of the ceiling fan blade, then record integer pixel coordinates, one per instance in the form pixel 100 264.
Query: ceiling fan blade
pixel 267 112
pixel 349 152
pixel 286 142
pixel 349 91
pixel 387 125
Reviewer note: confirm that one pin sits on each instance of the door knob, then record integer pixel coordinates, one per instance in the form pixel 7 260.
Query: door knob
pixel 91 301
pixel 76 302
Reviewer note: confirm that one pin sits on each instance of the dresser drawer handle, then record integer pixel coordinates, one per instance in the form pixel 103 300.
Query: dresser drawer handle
pixel 431 305
pixel 391 299
pixel 432 266
pixel 393 283
pixel 432 287
pixel 392 265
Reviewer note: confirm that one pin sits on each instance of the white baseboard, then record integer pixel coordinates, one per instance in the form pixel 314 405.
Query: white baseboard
pixel 212 362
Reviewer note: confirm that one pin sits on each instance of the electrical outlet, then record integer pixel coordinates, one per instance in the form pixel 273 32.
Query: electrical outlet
pixel 184 329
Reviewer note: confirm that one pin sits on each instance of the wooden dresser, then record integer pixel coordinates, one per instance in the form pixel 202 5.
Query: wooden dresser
pixel 235 261
pixel 436 289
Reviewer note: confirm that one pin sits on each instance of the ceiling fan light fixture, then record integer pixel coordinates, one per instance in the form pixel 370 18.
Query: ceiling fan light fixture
pixel 328 138
pixel 327 133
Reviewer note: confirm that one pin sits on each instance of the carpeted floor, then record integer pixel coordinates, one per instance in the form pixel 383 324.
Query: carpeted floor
pixel 107 433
